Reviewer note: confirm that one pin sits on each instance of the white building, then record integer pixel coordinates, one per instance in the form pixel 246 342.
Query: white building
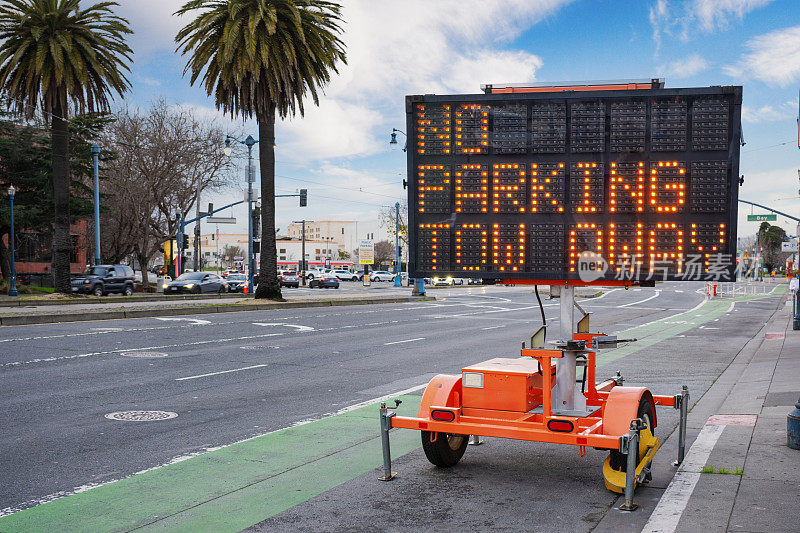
pixel 288 250
pixel 343 233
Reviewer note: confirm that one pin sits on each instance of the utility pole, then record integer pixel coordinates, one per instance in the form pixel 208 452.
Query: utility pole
pixel 303 255
pixel 197 263
pixel 217 243
pixel 95 159
pixel 397 281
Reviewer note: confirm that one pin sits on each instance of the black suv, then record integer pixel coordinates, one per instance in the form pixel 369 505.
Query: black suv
pixel 103 279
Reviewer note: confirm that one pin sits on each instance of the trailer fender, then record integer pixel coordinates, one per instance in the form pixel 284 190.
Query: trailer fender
pixel 442 391
pixel 622 406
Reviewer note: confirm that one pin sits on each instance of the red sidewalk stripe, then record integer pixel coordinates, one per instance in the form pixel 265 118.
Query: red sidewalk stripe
pixel 772 336
pixel 732 420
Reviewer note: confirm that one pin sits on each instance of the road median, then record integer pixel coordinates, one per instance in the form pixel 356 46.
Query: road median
pixel 194 309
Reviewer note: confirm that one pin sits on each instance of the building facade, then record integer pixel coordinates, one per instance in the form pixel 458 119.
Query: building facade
pixel 342 233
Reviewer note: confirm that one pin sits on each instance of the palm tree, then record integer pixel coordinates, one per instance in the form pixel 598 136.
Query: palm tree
pixel 260 58
pixel 56 56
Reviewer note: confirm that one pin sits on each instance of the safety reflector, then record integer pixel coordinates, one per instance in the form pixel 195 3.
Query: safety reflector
pixel 564 426
pixel 442 415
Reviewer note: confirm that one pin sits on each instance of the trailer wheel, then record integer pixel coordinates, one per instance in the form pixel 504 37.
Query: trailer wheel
pixel 446 449
pixel 619 461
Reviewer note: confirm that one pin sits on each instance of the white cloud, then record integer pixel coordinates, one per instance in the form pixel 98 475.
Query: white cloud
pixel 712 14
pixel 680 19
pixel 766 113
pixel 393 49
pixel 686 67
pixel 774 58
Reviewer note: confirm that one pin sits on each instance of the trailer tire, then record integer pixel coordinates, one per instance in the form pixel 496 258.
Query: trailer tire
pixel 446 449
pixel 619 461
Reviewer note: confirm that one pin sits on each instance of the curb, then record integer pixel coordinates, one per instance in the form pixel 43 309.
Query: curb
pixel 34 302
pixel 198 310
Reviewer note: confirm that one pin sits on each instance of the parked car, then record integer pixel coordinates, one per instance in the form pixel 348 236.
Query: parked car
pixel 474 281
pixel 344 275
pixel 196 283
pixel 449 280
pixel 314 273
pixel 381 275
pixel 289 278
pixel 236 282
pixel 104 279
pixel 324 281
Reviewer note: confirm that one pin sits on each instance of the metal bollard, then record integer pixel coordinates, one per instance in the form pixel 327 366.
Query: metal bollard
pixel 632 460
pixel 793 427
pixel 386 425
pixel 683 405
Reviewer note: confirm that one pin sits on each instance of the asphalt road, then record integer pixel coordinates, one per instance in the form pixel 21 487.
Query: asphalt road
pixel 233 376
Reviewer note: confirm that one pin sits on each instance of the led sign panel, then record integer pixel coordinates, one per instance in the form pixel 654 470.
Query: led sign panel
pixel 592 185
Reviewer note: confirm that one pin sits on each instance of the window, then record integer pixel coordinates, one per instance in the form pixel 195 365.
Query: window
pixel 283 258
pixel 316 251
pixel 342 231
pixel 283 250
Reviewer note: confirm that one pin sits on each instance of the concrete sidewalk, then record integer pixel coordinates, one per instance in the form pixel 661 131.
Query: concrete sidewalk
pixel 738 474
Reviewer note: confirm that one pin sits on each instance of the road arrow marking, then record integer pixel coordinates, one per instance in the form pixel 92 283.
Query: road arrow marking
pixel 193 321
pixel 296 326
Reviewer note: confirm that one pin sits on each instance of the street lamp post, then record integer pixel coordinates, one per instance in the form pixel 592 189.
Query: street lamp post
pixel 397 281
pixel 249 142
pixel 96 162
pixel 12 288
pixel 393 140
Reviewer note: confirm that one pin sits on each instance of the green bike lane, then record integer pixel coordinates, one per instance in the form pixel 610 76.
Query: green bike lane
pixel 239 485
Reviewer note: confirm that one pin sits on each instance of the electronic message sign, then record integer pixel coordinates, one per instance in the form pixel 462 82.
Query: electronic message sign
pixel 636 184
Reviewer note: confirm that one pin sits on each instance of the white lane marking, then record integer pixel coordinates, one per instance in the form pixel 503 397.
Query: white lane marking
pixel 220 372
pixel 695 308
pixel 401 342
pixel 678 290
pixel 670 507
pixel 494 327
pixel 656 295
pixel 109 352
pixel 194 321
pixel 733 304
pixel 83 488
pixel 296 326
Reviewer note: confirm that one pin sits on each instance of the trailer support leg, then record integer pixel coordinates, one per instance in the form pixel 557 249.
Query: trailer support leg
pixel 475 440
pixel 630 473
pixel 682 404
pixel 386 425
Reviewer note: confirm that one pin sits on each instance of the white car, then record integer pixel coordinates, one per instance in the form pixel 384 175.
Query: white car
pixel 344 275
pixel 381 275
pixel 314 273
pixel 449 280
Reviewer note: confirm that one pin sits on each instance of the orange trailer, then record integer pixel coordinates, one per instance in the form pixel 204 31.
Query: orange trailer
pixel 536 398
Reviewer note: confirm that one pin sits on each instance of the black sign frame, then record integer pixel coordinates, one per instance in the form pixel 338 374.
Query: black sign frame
pixel 536 267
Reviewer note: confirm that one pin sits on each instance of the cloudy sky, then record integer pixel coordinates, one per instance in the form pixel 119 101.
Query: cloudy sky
pixel 340 151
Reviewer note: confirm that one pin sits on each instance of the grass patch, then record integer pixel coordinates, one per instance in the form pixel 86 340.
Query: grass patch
pixel 709 469
pixel 24 289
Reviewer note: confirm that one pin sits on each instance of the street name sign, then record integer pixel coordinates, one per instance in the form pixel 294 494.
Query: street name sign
pixel 762 218
pixel 221 220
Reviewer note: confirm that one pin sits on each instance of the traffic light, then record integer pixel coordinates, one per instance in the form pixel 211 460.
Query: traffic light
pixel 210 208
pixel 256 222
pixel 303 197
pixel 256 247
pixel 185 242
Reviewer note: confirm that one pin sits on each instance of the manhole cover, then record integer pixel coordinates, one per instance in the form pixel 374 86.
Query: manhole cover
pixel 259 347
pixel 141 416
pixel 145 355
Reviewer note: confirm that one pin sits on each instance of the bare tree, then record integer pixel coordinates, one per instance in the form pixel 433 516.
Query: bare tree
pixel 387 216
pixel 384 252
pixel 165 157
pixel 231 250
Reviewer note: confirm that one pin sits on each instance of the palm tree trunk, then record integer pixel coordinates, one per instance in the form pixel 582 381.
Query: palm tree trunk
pixel 268 286
pixel 62 242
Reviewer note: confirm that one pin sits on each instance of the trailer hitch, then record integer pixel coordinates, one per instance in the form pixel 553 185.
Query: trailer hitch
pixel 606 342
